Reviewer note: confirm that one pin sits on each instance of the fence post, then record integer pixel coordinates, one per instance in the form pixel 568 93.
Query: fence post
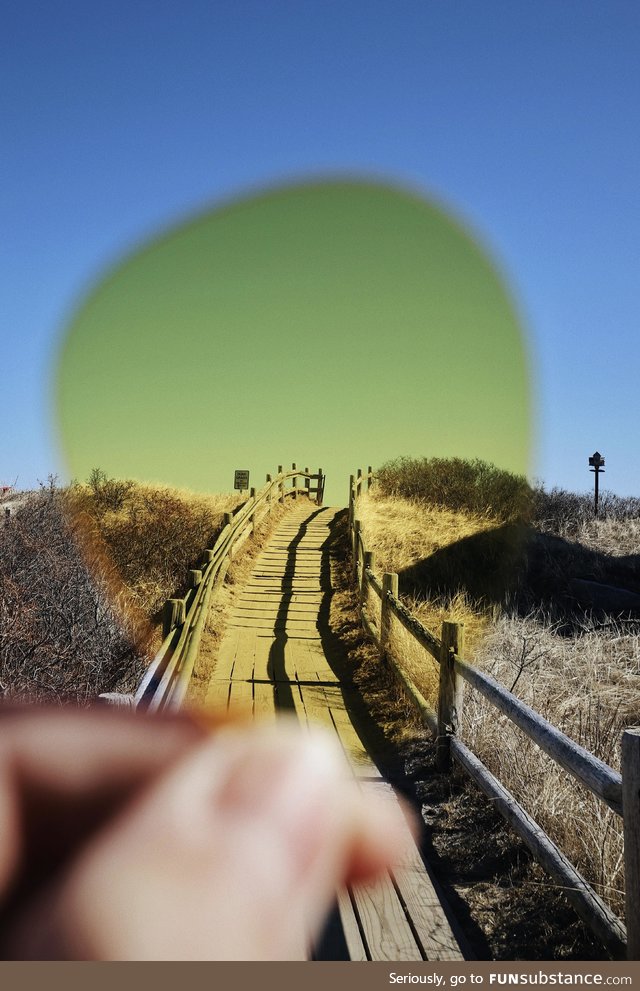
pixel 269 494
pixel 631 820
pixel 352 481
pixel 294 481
pixel 252 514
pixel 195 577
pixel 369 474
pixel 227 518
pixel 356 548
pixel 307 481
pixel 449 693
pixel 281 485
pixel 173 615
pixel 369 558
pixel 389 584
pixel 359 483
pixel 320 491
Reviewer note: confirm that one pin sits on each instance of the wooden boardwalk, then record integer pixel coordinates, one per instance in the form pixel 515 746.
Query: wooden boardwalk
pixel 279 654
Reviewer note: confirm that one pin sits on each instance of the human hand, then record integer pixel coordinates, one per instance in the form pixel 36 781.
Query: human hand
pixel 125 837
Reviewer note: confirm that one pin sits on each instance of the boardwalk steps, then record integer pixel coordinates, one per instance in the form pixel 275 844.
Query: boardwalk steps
pixel 280 655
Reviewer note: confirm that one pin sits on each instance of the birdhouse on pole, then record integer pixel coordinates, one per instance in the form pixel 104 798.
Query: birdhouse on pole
pixel 597 465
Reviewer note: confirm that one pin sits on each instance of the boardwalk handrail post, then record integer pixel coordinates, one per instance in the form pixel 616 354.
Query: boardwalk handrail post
pixel 294 481
pixel 631 820
pixel 449 692
pixel 369 474
pixel 269 493
pixel 195 577
pixel 359 483
pixel 281 485
pixel 307 480
pixel 356 548
pixel 352 481
pixel 320 492
pixel 252 514
pixel 389 584
pixel 367 565
pixel 173 614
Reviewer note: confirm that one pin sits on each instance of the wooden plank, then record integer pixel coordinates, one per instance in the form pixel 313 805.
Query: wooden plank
pixel 268 598
pixel 227 655
pixel 425 910
pixel 264 701
pixel 316 707
pixel 386 931
pixel 306 662
pixel 295 697
pixel 217 697
pixel 318 662
pixel 245 654
pixel 350 928
pixel 272 611
pixel 355 750
pixel 241 698
pixel 415 886
pixel 261 658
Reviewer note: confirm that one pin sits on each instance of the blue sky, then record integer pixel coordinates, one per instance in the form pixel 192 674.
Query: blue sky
pixel 122 118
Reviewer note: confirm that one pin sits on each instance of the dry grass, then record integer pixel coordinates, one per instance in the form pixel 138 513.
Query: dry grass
pixel 617 538
pixel 588 687
pixel 404 532
pixel 401 532
pixel 587 684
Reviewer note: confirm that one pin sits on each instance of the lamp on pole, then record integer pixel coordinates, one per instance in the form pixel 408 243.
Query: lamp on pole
pixel 597 465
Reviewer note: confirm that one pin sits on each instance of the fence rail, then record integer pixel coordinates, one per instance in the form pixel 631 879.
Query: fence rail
pixel 621 792
pixel 166 681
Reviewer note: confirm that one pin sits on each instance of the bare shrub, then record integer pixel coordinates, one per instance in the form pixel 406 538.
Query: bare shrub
pixel 60 638
pixel 455 483
pixel 565 513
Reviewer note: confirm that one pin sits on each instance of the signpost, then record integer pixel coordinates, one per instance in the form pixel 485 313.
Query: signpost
pixel 597 462
pixel 241 479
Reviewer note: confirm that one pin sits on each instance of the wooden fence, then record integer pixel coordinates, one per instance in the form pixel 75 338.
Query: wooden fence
pixel 166 680
pixel 620 792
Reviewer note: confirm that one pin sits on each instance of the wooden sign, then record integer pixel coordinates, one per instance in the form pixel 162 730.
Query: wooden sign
pixel 241 479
